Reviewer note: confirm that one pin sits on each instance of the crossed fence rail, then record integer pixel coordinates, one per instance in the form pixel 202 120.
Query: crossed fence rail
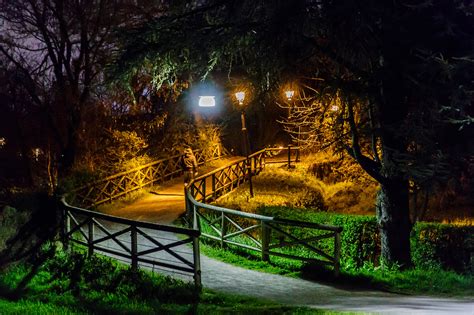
pixel 305 241
pixel 137 243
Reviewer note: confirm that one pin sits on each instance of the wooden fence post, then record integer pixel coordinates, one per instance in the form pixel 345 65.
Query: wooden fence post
pixel 213 184
pixel 203 191
pixel 134 247
pixel 337 252
pixel 196 224
pixel 197 263
pixel 265 241
pixel 289 156
pixel 223 229
pixel 90 240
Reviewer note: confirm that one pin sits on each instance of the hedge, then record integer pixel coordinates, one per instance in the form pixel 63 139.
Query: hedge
pixel 433 245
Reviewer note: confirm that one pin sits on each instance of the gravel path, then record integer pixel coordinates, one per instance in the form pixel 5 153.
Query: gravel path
pixel 167 204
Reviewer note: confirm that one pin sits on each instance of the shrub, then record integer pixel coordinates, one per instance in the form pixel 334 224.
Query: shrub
pixel 433 245
pixel 442 245
pixel 360 240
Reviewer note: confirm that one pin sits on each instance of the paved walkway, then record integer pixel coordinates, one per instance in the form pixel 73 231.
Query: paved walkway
pixel 167 203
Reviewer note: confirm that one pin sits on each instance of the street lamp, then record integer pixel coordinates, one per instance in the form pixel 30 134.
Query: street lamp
pixel 207 101
pixel 289 96
pixel 240 96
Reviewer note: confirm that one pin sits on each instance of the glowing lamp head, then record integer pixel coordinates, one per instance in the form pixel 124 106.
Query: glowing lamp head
pixel 207 101
pixel 240 96
pixel 334 108
pixel 289 94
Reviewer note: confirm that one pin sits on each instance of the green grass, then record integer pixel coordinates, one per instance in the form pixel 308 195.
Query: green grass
pixel 33 307
pixel 73 284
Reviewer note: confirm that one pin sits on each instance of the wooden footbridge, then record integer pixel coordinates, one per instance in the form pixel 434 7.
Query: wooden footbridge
pixel 175 249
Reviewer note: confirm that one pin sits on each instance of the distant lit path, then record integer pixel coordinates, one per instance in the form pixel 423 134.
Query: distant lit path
pixel 164 204
pixel 167 203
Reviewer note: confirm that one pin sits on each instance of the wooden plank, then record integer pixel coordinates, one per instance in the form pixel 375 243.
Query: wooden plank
pixel 113 236
pixel 164 247
pixel 299 241
pixel 160 248
pixel 312 248
pixel 310 260
pixel 305 224
pixel 166 265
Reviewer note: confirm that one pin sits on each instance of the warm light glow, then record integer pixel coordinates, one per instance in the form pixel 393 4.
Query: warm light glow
pixel 207 101
pixel 289 94
pixel 3 142
pixel 240 96
pixel 334 108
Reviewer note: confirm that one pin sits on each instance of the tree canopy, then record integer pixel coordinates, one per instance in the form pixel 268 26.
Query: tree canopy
pixel 402 71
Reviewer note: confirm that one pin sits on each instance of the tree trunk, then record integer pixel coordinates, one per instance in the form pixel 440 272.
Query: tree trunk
pixel 393 217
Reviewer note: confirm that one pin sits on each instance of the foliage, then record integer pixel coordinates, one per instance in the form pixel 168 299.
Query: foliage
pixel 444 246
pixel 124 151
pixel 278 186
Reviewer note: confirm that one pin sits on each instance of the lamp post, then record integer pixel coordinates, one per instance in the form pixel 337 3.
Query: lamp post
pixel 289 96
pixel 240 96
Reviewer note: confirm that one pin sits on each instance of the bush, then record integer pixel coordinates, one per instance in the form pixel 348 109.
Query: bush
pixel 360 240
pixel 433 245
pixel 443 245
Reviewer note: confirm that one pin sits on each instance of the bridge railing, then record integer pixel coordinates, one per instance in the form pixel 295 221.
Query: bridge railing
pixel 287 155
pixel 215 184
pixel 305 241
pixel 137 243
pixel 118 185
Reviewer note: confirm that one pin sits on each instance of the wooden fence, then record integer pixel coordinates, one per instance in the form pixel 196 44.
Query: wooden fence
pixel 137 243
pixel 305 241
pixel 210 186
pixel 287 155
pixel 118 185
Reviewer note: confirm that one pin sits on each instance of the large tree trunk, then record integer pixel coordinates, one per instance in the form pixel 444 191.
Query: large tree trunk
pixel 393 218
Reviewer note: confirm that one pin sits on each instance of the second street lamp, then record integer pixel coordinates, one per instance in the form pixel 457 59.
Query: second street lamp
pixel 289 96
pixel 240 96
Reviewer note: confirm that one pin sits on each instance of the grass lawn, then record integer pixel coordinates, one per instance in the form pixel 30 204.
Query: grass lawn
pixel 72 284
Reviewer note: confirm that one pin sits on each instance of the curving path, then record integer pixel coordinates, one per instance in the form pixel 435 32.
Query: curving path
pixel 167 203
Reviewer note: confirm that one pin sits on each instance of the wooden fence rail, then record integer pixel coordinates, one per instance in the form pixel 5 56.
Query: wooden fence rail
pixel 135 242
pixel 287 155
pixel 210 186
pixel 305 241
pixel 118 185
pixel 298 240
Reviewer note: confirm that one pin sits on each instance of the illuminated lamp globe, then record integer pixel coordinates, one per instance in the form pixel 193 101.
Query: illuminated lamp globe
pixel 207 101
pixel 289 94
pixel 240 96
